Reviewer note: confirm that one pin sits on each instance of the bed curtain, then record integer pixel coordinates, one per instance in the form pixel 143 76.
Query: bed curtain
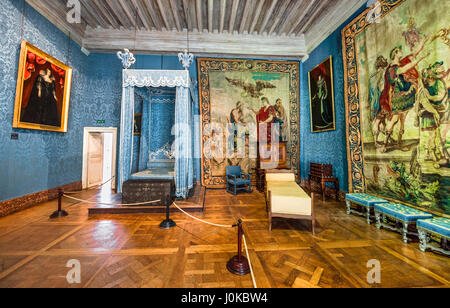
pixel 183 146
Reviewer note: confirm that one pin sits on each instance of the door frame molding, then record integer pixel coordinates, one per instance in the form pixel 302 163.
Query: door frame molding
pixel 87 131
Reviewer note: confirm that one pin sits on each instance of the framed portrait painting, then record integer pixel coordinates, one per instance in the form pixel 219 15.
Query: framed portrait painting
pixel 43 91
pixel 322 97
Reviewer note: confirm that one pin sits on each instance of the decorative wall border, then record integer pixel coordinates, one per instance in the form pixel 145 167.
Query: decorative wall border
pixel 351 88
pixel 18 204
pixel 205 65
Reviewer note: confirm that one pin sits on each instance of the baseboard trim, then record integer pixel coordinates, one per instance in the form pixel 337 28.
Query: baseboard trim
pixel 9 207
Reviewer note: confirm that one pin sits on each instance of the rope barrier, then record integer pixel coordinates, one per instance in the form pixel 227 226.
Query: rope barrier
pixel 201 220
pixel 249 262
pixel 184 212
pixel 91 188
pixel 112 204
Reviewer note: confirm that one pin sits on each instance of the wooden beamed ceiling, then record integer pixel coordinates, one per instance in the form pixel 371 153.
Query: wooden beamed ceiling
pixel 214 26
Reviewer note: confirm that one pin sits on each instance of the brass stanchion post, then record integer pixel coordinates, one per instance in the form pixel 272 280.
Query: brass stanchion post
pixel 238 264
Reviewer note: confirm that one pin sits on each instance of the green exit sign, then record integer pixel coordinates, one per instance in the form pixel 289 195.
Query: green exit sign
pixel 100 121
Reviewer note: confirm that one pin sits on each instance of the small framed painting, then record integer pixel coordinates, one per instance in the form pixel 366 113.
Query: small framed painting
pixel 42 92
pixel 137 124
pixel 322 97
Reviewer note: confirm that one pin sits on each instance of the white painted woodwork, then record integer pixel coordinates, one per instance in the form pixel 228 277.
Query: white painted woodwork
pixel 86 155
pixel 205 43
pixel 95 159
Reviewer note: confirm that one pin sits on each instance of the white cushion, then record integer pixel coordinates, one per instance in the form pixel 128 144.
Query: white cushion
pixel 280 177
pixel 290 200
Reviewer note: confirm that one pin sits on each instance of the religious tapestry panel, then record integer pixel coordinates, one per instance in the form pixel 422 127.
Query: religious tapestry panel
pixel 257 95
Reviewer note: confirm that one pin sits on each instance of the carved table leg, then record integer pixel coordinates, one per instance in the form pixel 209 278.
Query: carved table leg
pixel 378 219
pixel 445 244
pixel 348 207
pixel 423 236
pixel 368 215
pixel 405 232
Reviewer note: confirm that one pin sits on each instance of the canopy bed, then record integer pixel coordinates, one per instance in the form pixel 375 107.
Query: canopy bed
pixel 181 170
pixel 153 157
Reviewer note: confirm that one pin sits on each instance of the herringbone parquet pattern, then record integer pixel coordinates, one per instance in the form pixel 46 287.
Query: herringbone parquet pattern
pixel 122 251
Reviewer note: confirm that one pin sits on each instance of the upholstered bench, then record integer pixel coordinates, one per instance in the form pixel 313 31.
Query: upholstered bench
pixel 398 213
pixel 438 228
pixel 364 200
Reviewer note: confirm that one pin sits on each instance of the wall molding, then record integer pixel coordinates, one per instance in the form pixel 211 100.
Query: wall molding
pixel 18 204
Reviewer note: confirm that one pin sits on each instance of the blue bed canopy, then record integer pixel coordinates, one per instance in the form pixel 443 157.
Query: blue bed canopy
pixel 183 144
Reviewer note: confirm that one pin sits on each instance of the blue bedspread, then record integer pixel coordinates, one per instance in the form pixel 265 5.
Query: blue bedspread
pixel 154 173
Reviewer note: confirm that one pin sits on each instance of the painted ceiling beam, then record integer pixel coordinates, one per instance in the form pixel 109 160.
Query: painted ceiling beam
pixel 314 15
pixel 198 9
pixel 302 15
pixel 223 6
pixel 142 12
pixel 268 14
pixel 210 15
pixel 256 16
pixel 292 12
pixel 245 16
pixel 278 16
pixel 233 15
pixel 163 14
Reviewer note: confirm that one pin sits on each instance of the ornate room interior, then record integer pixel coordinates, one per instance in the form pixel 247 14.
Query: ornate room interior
pixel 224 144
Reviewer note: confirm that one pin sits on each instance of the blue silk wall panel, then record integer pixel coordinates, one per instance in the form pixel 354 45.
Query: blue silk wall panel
pixel 316 147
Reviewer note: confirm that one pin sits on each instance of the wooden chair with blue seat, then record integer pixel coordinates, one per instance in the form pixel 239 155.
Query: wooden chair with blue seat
pixel 238 180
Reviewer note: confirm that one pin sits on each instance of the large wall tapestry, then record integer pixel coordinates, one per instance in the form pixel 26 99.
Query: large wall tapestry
pixel 397 60
pixel 43 91
pixel 239 91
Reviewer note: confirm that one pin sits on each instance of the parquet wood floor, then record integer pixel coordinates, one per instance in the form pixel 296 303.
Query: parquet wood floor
pixel 131 251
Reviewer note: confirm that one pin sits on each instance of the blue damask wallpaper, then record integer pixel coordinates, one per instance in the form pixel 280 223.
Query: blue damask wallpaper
pixel 327 147
pixel 42 160
pixel 38 160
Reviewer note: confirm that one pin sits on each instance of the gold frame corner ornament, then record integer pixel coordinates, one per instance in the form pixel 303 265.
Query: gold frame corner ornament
pixel 25 47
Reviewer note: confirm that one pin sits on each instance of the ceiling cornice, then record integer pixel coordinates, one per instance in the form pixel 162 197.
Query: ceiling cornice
pixel 205 43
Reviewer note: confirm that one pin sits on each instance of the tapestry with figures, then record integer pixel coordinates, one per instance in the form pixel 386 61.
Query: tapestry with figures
pixel 246 93
pixel 396 90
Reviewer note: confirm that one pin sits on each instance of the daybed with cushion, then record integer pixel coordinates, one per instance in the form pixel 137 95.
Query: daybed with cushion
pixel 286 199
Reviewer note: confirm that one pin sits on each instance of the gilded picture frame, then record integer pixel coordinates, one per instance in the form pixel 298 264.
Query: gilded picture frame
pixel 321 97
pixel 381 166
pixel 211 71
pixel 42 92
